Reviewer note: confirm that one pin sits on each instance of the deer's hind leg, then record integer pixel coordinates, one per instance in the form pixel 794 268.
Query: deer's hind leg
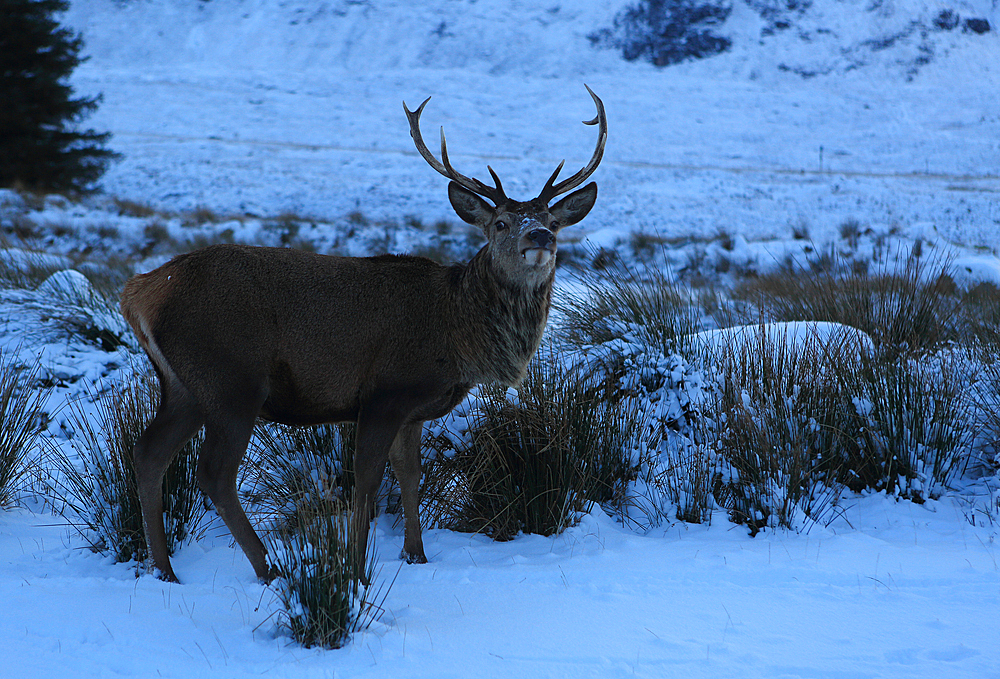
pixel 379 424
pixel 177 420
pixel 226 439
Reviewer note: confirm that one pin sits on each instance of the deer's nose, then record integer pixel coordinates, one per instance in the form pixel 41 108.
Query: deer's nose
pixel 541 237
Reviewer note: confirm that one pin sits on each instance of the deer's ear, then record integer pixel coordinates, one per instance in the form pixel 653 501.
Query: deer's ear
pixel 470 207
pixel 575 206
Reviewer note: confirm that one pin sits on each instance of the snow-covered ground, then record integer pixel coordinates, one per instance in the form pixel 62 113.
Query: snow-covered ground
pixel 891 590
pixel 265 107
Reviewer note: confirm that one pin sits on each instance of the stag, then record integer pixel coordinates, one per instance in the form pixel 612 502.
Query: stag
pixel 237 332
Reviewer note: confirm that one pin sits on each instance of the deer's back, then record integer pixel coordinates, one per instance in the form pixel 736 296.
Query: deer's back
pixel 315 331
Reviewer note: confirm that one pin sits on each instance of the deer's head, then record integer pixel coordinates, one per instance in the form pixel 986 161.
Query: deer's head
pixel 521 235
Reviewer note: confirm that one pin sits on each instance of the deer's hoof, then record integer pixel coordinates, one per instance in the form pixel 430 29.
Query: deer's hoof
pixel 166 575
pixel 412 558
pixel 272 574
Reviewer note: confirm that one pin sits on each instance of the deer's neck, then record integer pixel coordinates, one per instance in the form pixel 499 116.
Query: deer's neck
pixel 498 322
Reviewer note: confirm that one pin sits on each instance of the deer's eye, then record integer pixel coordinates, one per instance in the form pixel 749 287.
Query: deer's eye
pixel 500 225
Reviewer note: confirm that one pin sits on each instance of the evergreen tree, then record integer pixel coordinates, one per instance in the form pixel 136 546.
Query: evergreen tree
pixel 40 147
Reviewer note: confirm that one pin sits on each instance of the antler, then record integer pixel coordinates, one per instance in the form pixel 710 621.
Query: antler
pixel 549 191
pixel 493 193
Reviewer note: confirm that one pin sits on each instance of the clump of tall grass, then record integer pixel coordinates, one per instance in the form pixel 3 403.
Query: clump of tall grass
pixel 97 484
pixel 987 404
pixel 907 309
pixel 24 269
pixel 292 468
pixel 300 480
pixel 618 302
pixel 981 318
pixel 686 474
pixel 914 424
pixel 21 420
pixel 793 424
pixel 534 459
pixel 778 429
pixel 315 556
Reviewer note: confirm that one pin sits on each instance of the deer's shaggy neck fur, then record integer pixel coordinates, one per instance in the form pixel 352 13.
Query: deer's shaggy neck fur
pixel 498 322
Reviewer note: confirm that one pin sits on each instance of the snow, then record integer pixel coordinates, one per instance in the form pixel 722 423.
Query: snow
pixel 970 270
pixel 265 107
pixel 797 335
pixel 891 590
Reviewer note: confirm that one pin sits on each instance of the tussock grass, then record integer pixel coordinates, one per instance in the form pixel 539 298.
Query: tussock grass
pixel 132 208
pixel 988 405
pixel 689 475
pixel 780 430
pixel 21 420
pixel 293 468
pixel 301 481
pixel 617 302
pixel 981 318
pixel 202 214
pixel 792 426
pixel 315 556
pixel 22 269
pixel 203 240
pixel 904 310
pixel 914 424
pixel 98 488
pixel 534 461
pixel 107 279
pixel 71 301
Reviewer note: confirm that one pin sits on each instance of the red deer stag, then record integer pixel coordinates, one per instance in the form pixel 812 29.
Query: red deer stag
pixel 237 332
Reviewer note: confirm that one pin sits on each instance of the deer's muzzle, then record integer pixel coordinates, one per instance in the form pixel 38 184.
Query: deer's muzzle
pixel 538 246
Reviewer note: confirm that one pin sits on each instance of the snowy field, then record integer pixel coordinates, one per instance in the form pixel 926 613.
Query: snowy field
pixel 265 108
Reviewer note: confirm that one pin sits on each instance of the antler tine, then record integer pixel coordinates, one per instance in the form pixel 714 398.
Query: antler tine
pixel 549 191
pixel 548 185
pixel 496 180
pixel 493 193
pixel 414 118
pixel 445 168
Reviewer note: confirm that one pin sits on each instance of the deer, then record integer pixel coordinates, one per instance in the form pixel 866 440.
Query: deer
pixel 237 332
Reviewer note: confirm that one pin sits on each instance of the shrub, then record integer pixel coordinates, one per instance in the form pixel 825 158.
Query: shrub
pixel 667 31
pixel 21 420
pixel 532 462
pixel 315 556
pixel 100 488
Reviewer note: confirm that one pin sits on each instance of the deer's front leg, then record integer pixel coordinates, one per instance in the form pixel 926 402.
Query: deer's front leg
pixel 405 459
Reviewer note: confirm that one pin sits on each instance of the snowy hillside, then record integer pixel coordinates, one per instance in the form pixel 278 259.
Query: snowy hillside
pixel 866 129
pixel 268 107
